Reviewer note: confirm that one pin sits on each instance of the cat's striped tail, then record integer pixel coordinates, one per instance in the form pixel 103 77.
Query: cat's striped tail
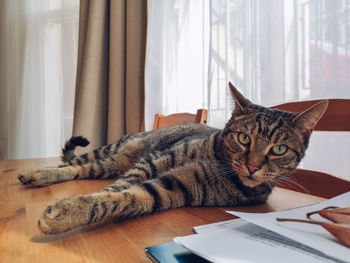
pixel 69 147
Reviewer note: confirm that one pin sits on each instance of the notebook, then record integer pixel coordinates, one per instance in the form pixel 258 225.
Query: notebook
pixel 172 253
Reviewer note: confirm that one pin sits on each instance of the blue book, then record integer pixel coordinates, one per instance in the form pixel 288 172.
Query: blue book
pixel 172 253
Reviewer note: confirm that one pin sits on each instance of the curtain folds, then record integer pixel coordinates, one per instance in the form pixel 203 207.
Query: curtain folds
pixel 12 66
pixel 37 76
pixel 109 100
pixel 177 57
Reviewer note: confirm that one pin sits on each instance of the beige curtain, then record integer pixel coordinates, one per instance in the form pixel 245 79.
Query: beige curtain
pixel 13 32
pixel 109 99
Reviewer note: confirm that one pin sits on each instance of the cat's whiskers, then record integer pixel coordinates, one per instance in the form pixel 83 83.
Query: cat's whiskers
pixel 289 181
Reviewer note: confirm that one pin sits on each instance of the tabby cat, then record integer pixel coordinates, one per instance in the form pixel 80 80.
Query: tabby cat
pixel 184 165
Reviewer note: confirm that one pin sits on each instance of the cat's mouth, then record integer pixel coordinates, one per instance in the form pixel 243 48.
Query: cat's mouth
pixel 254 179
pixel 250 177
pixel 249 180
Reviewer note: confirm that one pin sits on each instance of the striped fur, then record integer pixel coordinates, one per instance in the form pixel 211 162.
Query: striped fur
pixel 69 147
pixel 184 165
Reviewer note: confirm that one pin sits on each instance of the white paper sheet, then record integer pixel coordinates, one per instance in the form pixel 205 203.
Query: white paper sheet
pixel 313 235
pixel 239 241
pixel 228 224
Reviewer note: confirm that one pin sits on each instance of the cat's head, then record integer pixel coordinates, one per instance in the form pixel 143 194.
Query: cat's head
pixel 264 143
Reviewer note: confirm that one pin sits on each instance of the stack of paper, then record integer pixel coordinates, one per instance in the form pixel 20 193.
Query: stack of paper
pixel 260 238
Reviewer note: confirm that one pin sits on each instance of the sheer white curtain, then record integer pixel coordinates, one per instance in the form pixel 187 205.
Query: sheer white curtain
pixel 274 51
pixel 176 57
pixel 280 51
pixel 37 68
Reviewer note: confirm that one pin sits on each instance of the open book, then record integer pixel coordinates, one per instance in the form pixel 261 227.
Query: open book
pixel 257 237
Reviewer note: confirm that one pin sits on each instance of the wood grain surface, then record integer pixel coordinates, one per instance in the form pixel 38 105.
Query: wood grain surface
pixel 21 207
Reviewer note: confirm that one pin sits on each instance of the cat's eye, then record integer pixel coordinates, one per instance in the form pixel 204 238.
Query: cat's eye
pixel 279 149
pixel 243 138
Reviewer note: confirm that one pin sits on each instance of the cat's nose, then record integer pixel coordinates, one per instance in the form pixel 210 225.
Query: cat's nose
pixel 252 169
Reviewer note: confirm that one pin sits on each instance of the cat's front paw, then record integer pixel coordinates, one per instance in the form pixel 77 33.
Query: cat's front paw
pixel 33 178
pixel 65 215
pixel 41 177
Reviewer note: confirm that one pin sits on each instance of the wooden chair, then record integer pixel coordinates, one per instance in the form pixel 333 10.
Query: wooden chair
pixel 161 121
pixel 336 118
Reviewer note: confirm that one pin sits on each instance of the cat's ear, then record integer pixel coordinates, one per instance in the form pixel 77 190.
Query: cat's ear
pixel 308 119
pixel 240 101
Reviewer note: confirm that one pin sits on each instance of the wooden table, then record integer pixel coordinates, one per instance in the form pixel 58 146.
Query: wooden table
pixel 20 208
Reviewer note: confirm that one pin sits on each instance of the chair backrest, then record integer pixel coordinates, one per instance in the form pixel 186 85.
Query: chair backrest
pixel 336 118
pixel 161 121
